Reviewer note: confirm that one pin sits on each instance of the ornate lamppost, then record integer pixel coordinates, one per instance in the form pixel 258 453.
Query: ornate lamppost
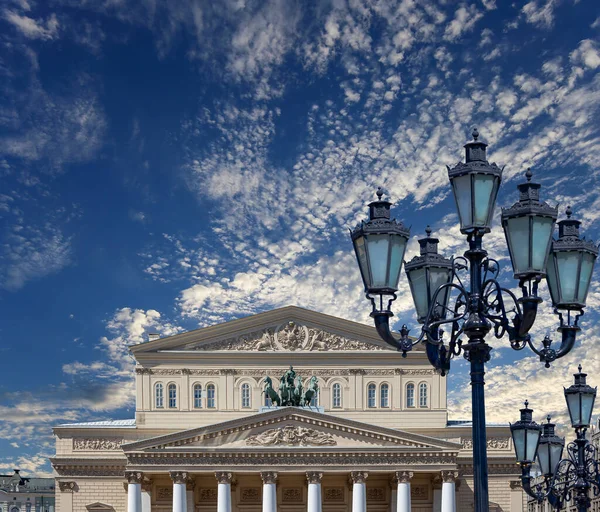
pixel 478 305
pixel 565 479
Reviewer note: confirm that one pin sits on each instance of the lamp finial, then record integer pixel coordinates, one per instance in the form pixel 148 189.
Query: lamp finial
pixel 379 193
pixel 569 212
pixel 475 134
pixel 528 174
pixel 428 230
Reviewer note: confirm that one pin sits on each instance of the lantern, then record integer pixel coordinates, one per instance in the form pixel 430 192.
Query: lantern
pixel 550 449
pixel 580 400
pixel 426 273
pixel 526 435
pixel 570 265
pixel 379 244
pixel 475 186
pixel 528 226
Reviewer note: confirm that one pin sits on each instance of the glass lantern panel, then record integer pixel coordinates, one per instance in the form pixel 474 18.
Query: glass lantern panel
pixel 518 436
pixel 518 232
pixel 585 276
pixel 462 194
pixel 574 408
pixel 568 264
pixel 378 246
pixel 542 232
pixel 544 457
pixel 438 277
pixel 361 254
pixel 533 435
pixel 587 404
pixel 396 257
pixel 484 186
pixel 418 287
pixel 552 278
pixel 556 450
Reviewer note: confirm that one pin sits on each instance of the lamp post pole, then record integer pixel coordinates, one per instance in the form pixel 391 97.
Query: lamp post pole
pixel 477 308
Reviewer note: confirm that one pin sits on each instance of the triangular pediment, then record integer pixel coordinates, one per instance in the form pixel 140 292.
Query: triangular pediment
pixel 291 428
pixel 288 329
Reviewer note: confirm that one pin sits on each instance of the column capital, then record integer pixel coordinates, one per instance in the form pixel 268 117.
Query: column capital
pixel 403 477
pixel 449 476
pixel 516 485
pixel 190 483
pixel 68 486
pixel 314 477
pixel 359 477
pixel 147 485
pixel 269 477
pixel 179 477
pixel 224 477
pixel 134 477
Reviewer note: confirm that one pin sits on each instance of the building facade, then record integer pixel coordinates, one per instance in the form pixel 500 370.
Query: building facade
pixel 26 494
pixel 205 437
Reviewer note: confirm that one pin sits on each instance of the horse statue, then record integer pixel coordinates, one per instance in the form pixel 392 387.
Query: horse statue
pixel 311 391
pixel 298 389
pixel 270 392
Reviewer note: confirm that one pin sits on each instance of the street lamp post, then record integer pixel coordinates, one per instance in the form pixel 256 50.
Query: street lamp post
pixel 479 305
pixel 565 479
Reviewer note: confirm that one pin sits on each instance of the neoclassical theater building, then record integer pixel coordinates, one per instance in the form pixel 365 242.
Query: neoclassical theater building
pixel 205 438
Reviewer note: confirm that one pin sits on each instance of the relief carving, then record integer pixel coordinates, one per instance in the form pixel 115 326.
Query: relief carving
pixel 164 493
pixel 375 494
pixel 335 494
pixel 494 443
pixel 208 495
pixel 250 495
pixel 67 486
pixel 291 435
pixel 89 444
pixel 419 492
pixel 287 337
pixel 291 495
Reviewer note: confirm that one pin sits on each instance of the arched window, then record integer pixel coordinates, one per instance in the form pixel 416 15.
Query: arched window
pixel 158 395
pixel 423 394
pixel 384 395
pixel 197 396
pixel 336 395
pixel 371 400
pixel 245 395
pixel 410 395
pixel 210 396
pixel 172 396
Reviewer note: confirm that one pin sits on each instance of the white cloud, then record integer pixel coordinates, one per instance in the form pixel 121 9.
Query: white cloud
pixel 464 20
pixel 541 16
pixel 33 29
pixel 587 54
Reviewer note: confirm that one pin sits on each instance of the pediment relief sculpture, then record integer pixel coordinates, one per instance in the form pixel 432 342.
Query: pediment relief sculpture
pixel 288 337
pixel 292 435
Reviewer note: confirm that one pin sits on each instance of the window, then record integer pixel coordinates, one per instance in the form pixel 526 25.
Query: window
pixel 158 395
pixel 422 395
pixel 172 396
pixel 410 395
pixel 336 395
pixel 384 395
pixel 371 395
pixel 197 396
pixel 246 395
pixel 210 396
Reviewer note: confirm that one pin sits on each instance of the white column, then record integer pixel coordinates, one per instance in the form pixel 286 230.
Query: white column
pixel 403 494
pixel 223 491
pixel 314 491
pixel 269 496
pixel 449 491
pixel 179 490
pixel 146 496
pixel 134 490
pixel 359 491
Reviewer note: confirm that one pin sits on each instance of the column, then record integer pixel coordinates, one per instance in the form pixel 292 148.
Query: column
pixel 449 491
pixel 403 494
pixel 269 497
pixel 189 494
pixel 223 491
pixel 314 491
pixel 359 491
pixel 437 493
pixel 179 490
pixel 394 493
pixel 516 497
pixel 146 495
pixel 66 498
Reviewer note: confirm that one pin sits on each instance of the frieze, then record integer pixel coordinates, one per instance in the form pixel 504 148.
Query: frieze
pixel 493 443
pixel 250 495
pixel 335 494
pixel 419 492
pixel 89 470
pixel 164 493
pixel 208 495
pixel 97 444
pixel 263 372
pixel 291 495
pixel 375 494
pixel 291 435
pixel 289 337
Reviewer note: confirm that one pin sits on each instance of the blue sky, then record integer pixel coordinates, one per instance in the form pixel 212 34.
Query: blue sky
pixel 169 165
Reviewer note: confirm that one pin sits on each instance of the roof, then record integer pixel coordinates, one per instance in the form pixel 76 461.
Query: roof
pixel 102 424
